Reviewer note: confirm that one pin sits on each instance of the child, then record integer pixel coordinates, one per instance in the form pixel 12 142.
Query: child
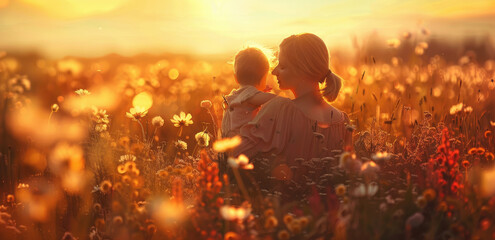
pixel 250 71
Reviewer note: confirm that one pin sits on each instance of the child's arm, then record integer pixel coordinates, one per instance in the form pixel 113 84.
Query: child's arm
pixel 260 98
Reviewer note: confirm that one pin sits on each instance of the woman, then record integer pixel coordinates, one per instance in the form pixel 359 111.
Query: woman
pixel 307 126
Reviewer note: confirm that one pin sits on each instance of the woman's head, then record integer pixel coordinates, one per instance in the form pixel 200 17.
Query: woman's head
pixel 304 57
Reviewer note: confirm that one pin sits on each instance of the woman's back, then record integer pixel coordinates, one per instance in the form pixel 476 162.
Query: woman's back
pixel 282 128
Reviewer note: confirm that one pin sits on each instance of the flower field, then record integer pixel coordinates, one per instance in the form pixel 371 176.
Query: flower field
pixel 130 148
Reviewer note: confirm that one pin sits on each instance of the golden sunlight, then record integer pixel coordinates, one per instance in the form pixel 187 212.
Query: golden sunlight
pixel 143 100
pixel 75 9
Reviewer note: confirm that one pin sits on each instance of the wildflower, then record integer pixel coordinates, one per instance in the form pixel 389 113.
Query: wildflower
pixel 151 229
pixel 465 164
pixel 271 222
pixel 378 156
pixel 489 156
pixel 206 104
pixel 10 198
pixel 419 50
pixel 283 235
pixel 181 145
pixel 106 186
pixel 456 108
pixel 231 236
pixel 226 144
pixel 492 124
pixel 429 194
pixel 127 157
pixel 100 117
pixel 488 134
pixel 136 113
pixel 480 151
pixel 472 151
pixel 157 121
pixel 349 162
pixel 232 213
pixel 423 45
pixel 203 139
pixel 118 220
pixel 182 119
pixel 288 218
pixel 97 207
pixel 468 109
pixel 269 212
pixel 82 92
pixel 366 190
pixel 415 220
pixel 295 226
pixel 395 43
pixel 369 169
pixel 22 185
pixel 340 190
pixel 421 202
pixel 240 162
pixel 303 221
pixel 55 107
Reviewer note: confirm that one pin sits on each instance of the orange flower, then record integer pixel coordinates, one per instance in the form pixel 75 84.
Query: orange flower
pixel 489 156
pixel 472 151
pixel 466 164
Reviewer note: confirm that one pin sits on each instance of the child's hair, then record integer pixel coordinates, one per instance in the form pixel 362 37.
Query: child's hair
pixel 250 65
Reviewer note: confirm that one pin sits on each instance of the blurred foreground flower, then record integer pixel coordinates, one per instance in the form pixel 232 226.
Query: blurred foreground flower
pixel 365 190
pixel 182 119
pixel 240 162
pixel 203 139
pixel 231 213
pixel 206 104
pixel 181 145
pixel 378 156
pixel 369 169
pixel 456 108
pixel 415 220
pixel 349 162
pixel 82 92
pixel 136 113
pixel 395 43
pixel 157 121
pixel 127 157
pixel 226 144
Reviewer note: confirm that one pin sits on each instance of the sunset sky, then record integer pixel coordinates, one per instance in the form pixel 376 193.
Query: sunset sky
pixel 98 27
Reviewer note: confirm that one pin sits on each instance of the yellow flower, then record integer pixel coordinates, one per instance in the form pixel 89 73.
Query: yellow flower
pixel 181 145
pixel 55 107
pixel 82 92
pixel 157 121
pixel 203 139
pixel 136 113
pixel 240 162
pixel 182 119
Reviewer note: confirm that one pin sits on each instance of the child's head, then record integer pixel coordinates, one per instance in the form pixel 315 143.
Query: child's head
pixel 251 67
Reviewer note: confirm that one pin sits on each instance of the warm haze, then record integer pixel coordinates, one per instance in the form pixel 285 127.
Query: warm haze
pixel 93 28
